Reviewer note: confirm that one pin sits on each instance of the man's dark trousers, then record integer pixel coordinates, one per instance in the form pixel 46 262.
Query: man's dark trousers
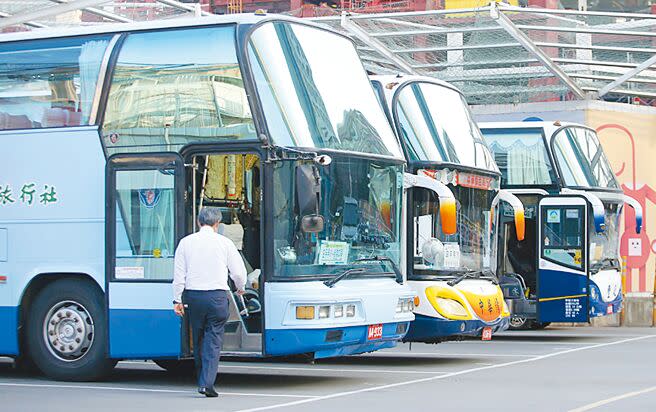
pixel 208 312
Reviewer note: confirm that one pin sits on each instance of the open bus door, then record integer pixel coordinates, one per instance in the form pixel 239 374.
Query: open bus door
pixel 144 222
pixel 563 281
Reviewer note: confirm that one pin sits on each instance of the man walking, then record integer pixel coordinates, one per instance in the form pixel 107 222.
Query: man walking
pixel 202 263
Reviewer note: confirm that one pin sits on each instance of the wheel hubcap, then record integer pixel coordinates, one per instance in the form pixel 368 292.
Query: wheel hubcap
pixel 517 321
pixel 68 330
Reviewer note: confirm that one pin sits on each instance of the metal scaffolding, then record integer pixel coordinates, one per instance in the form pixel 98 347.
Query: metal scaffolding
pixel 505 54
pixel 494 54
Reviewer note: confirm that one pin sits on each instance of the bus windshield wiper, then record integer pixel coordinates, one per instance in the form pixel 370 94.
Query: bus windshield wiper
pixel 378 258
pixel 474 274
pixel 331 282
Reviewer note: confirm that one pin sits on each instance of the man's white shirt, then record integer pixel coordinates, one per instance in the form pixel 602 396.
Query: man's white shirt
pixel 203 261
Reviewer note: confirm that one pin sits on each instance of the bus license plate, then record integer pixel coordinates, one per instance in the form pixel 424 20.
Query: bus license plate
pixel 487 333
pixel 375 332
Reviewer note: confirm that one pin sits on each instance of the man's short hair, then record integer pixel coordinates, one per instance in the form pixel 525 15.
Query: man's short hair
pixel 209 216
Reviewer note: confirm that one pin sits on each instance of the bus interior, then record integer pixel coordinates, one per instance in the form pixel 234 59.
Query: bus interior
pixel 232 182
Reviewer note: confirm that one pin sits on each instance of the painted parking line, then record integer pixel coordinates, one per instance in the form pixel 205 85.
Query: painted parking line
pixel 124 389
pixel 267 367
pixel 315 369
pixel 441 354
pixel 611 400
pixel 445 376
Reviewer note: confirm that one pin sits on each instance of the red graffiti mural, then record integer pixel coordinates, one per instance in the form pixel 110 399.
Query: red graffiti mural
pixel 635 247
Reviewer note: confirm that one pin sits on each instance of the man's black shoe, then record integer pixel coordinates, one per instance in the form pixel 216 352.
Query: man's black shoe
pixel 211 393
pixel 201 390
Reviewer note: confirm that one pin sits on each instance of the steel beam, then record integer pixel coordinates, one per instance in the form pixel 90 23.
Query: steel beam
pixel 182 6
pixel 99 12
pixel 628 75
pixel 27 23
pixel 354 29
pixel 525 41
pixel 43 13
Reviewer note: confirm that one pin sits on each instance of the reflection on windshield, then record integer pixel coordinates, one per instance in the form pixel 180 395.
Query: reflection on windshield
pixel 437 126
pixel 581 159
pixel 521 156
pixel 604 246
pixel 315 92
pixel 472 247
pixel 360 203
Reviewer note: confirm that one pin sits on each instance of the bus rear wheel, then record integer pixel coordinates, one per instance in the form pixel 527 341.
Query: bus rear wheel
pixel 66 331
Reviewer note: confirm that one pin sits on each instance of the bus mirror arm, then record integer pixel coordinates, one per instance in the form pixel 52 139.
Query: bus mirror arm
pixel 598 210
pixel 518 208
pixel 444 194
pixel 637 208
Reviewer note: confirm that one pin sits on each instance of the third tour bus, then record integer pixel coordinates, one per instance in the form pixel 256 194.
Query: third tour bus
pixel 450 267
pixel 568 268
pixel 111 140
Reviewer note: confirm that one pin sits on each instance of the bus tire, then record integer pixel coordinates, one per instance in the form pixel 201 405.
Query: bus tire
pixel 540 325
pixel 181 367
pixel 66 331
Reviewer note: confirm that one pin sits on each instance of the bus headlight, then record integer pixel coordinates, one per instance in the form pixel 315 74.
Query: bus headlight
pixel 304 312
pixel 593 292
pixel 350 311
pixel 405 305
pixel 451 307
pixel 324 312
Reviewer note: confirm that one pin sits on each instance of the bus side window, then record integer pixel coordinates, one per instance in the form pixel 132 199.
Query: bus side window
pixel 49 83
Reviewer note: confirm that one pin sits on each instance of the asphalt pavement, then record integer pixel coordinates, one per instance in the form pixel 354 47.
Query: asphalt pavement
pixel 556 369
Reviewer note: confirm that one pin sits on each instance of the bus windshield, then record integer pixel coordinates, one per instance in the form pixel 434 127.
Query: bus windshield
pixel 471 248
pixel 360 204
pixel 522 156
pixel 604 246
pixel 436 126
pixel 581 159
pixel 315 93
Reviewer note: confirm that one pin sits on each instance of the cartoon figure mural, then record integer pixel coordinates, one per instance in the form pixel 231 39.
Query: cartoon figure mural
pixel 636 248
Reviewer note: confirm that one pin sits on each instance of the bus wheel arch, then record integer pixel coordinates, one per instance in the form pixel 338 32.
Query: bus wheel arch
pixel 65 328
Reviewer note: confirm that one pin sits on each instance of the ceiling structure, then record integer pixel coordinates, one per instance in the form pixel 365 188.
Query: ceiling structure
pixel 505 54
pixel 494 54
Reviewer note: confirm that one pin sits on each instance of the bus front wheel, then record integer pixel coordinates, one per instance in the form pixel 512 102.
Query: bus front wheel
pixel 66 331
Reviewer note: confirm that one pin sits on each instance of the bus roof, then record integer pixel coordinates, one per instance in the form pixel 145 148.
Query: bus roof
pixel 244 18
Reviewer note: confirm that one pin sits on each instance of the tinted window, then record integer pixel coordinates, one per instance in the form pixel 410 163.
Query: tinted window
pixel 563 237
pixel 49 83
pixel 436 126
pixel 581 159
pixel 315 92
pixel 173 87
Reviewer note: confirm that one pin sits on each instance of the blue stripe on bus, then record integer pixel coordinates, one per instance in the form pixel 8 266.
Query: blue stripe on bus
pixel 9 328
pixel 427 328
pixel 280 342
pixel 143 334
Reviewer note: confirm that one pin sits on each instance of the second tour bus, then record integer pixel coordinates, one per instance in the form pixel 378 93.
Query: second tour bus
pixel 450 263
pixel 113 138
pixel 568 269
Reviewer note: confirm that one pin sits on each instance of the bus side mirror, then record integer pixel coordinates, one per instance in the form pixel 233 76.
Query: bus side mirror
pixel 518 208
pixel 308 189
pixel 448 215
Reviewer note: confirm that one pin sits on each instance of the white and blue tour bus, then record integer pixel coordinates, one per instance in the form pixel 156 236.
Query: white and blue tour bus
pixel 111 140
pixel 568 268
pixel 450 252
